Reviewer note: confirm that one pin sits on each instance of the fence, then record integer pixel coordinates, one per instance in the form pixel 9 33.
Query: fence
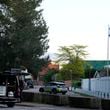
pixel 99 87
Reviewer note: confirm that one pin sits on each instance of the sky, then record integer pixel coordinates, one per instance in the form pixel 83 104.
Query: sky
pixel 82 22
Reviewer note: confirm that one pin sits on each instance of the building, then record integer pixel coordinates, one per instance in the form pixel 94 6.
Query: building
pixel 44 71
pixel 97 64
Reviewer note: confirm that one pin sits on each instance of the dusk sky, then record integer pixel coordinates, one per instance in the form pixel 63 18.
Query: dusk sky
pixel 83 22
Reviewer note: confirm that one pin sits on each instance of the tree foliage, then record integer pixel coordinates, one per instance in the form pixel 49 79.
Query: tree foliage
pixel 73 63
pixel 70 53
pixel 50 76
pixel 89 71
pixel 23 34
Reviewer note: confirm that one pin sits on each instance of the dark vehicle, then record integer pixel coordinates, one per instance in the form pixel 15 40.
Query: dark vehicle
pixel 54 87
pixel 10 92
pixel 30 83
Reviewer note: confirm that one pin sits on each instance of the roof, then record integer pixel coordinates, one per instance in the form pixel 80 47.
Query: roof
pixel 56 82
pixel 98 64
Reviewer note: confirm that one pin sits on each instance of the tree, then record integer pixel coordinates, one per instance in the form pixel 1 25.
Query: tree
pixel 50 75
pixel 89 71
pixel 73 63
pixel 70 53
pixel 23 34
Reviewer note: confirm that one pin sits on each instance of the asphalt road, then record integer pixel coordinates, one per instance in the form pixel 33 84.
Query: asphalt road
pixel 36 90
pixel 35 106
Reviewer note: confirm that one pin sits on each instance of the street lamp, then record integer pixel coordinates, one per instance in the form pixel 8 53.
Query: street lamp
pixel 71 78
pixel 90 78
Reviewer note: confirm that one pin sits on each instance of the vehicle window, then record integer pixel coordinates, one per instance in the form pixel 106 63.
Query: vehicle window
pixel 52 84
pixel 48 84
pixel 61 85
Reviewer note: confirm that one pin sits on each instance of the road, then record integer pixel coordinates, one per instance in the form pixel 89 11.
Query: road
pixel 34 106
pixel 36 90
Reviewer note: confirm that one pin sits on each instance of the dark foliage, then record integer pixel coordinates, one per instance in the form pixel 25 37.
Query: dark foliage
pixel 23 34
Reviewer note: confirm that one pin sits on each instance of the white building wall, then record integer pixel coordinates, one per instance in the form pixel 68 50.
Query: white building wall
pixel 97 84
pixel 85 84
pixel 99 87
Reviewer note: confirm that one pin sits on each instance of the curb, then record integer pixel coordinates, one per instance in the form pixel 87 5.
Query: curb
pixel 27 104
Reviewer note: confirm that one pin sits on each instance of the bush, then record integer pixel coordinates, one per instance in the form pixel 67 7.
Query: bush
pixel 76 84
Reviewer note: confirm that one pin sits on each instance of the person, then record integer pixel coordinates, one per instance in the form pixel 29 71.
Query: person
pixel 21 86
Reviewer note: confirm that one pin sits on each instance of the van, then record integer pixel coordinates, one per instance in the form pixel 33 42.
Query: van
pixel 10 92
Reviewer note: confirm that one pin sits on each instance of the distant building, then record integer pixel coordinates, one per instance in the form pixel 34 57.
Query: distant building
pixel 97 64
pixel 53 65
pixel 100 66
pixel 44 71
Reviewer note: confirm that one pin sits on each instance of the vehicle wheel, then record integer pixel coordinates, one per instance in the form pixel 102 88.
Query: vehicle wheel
pixel 41 90
pixel 10 104
pixel 54 91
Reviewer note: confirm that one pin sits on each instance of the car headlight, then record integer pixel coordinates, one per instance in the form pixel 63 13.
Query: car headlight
pixel 10 94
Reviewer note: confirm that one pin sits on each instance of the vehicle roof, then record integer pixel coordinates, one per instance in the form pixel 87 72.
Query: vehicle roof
pixel 14 73
pixel 57 82
pixel 8 73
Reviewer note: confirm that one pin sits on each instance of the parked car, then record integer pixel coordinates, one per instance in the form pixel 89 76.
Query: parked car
pixel 10 92
pixel 54 87
pixel 30 83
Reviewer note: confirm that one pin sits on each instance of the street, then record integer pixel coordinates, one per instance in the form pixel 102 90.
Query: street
pixel 36 90
pixel 35 106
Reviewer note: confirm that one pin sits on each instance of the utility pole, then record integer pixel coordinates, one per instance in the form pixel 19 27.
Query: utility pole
pixel 108 51
pixel 71 78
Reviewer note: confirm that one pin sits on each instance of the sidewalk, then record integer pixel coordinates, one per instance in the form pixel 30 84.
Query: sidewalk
pixel 49 107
